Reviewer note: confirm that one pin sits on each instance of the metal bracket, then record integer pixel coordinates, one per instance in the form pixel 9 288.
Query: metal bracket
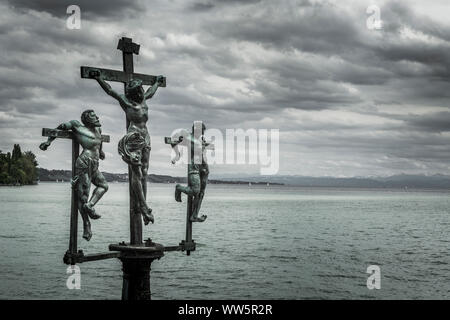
pixel 80 257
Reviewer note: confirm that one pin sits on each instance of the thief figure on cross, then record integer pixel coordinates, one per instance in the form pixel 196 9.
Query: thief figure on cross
pixel 89 136
pixel 135 146
pixel 198 170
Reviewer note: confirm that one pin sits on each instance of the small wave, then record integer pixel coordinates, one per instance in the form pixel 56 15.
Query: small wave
pixel 343 276
pixel 9 236
pixel 283 257
pixel 439 262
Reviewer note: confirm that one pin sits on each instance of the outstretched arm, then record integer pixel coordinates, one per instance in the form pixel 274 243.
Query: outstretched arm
pixel 178 137
pixel 105 86
pixel 152 90
pixel 66 126
pixel 177 155
pixel 44 145
pixel 101 153
pixel 63 126
pixel 207 145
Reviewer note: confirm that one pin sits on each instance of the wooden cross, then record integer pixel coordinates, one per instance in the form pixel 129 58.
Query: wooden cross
pixel 72 255
pixel 187 244
pixel 128 48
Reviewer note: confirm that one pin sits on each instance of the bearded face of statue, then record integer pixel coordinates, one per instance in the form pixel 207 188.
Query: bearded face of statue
pixel 90 119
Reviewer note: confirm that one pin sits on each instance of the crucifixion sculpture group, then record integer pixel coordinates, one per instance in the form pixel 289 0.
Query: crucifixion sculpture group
pixel 134 148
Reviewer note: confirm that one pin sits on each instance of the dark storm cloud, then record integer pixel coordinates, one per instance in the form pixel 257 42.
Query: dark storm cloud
pixel 89 8
pixel 400 15
pixel 310 28
pixel 344 97
pixel 201 6
pixel 29 107
pixel 432 122
pixel 331 32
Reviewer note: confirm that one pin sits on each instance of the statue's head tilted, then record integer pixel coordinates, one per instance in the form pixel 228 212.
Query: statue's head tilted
pixel 90 119
pixel 134 90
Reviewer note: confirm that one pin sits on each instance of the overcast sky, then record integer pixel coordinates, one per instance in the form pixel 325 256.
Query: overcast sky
pixel 348 101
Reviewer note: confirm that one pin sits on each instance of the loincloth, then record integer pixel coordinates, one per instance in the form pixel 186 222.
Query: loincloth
pixel 132 145
pixel 86 164
pixel 198 168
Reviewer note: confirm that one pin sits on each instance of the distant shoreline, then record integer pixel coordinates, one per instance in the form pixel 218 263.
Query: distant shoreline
pixel 274 185
pixel 18 184
pixel 66 175
pixel 396 182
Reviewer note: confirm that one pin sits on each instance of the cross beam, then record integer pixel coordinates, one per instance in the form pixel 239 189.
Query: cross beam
pixel 119 76
pixel 56 133
pixel 128 48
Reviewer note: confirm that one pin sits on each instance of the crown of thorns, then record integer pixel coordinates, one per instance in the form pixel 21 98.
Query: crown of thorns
pixel 133 84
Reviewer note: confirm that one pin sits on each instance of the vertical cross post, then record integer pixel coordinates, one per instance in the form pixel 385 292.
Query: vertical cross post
pixel 187 244
pixel 74 204
pixel 128 48
pixel 189 206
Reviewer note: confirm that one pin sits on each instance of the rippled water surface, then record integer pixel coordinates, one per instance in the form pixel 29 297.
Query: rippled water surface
pixel 257 243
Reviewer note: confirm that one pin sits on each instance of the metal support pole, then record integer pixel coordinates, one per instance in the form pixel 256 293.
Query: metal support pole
pixel 135 217
pixel 74 204
pixel 136 279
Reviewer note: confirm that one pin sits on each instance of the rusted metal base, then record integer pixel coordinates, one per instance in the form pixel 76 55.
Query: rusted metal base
pixel 136 265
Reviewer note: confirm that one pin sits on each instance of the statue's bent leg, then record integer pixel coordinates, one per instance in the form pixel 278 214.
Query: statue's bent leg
pixel 83 186
pixel 203 182
pixel 145 163
pixel 193 187
pixel 101 187
pixel 136 183
pixel 193 190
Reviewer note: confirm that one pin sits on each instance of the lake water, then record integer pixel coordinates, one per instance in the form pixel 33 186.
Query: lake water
pixel 258 242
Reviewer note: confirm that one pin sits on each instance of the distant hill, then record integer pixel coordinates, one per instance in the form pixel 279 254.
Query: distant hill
pixel 66 175
pixel 402 181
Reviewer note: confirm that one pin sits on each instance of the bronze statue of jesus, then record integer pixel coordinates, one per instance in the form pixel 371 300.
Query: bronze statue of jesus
pixel 135 146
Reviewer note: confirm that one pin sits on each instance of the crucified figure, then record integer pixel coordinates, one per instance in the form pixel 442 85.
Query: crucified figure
pixel 89 136
pixel 198 170
pixel 135 146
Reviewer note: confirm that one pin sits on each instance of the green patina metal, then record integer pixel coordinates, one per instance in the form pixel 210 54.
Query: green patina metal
pixel 137 255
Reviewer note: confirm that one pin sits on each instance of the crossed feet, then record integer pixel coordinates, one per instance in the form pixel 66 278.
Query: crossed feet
pixel 89 209
pixel 198 219
pixel 87 233
pixel 147 216
pixel 194 218
pixel 177 193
